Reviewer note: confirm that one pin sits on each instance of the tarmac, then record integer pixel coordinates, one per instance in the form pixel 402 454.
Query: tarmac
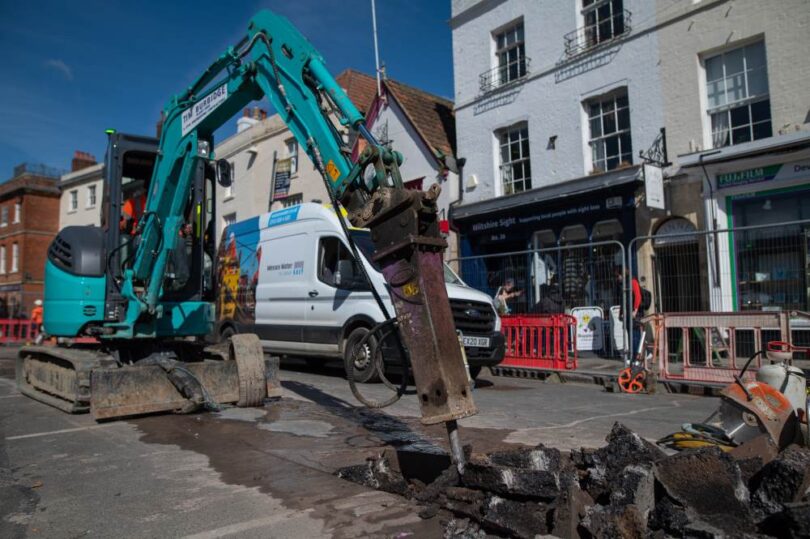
pixel 268 472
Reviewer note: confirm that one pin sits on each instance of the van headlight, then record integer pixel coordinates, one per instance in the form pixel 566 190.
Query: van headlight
pixel 497 317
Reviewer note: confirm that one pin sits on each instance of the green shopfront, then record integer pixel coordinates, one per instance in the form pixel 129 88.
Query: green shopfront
pixel 761 206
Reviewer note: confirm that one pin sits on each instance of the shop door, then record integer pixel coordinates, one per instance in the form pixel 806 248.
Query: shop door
pixel 677 268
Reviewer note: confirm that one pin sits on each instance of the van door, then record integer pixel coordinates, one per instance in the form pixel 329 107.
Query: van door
pixel 281 293
pixel 338 293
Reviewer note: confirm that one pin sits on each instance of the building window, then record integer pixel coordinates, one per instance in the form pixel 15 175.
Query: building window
pixel 604 20
pixel 738 98
pixel 228 219
pixel 229 191
pixel 74 200
pixel 292 153
pixel 292 200
pixel 516 174
pixel 4 216
pixel 2 259
pixel 15 257
pixel 510 53
pixel 609 119
pixel 91 196
pixel 17 212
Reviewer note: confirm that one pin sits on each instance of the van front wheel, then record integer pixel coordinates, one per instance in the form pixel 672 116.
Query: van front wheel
pixel 360 358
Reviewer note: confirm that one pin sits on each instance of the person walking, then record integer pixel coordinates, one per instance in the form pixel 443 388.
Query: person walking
pixel 504 294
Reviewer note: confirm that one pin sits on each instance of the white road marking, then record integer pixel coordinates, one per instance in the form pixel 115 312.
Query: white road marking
pixel 248 525
pixel 60 431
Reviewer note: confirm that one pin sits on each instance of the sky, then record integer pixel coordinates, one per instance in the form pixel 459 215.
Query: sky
pixel 70 70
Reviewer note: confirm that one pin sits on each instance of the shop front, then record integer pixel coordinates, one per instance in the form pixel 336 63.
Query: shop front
pixel 563 241
pixel 761 204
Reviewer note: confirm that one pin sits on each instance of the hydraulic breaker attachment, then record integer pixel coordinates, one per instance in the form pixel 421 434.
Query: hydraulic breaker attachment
pixel 409 247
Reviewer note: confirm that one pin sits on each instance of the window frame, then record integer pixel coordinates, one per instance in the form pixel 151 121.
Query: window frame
pixel 750 105
pixel 502 52
pixel 4 215
pixel 2 259
pixel 17 212
pixel 605 116
pixel 92 196
pixel 15 257
pixel 291 148
pixel 342 248
pixel 292 200
pixel 593 30
pixel 508 186
pixel 73 200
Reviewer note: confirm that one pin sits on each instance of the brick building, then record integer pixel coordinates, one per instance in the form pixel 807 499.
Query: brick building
pixel 29 220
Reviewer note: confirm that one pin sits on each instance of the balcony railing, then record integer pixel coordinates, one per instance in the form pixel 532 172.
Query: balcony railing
pixel 593 35
pixel 37 170
pixel 506 74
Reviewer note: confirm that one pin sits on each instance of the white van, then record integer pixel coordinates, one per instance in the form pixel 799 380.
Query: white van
pixel 278 277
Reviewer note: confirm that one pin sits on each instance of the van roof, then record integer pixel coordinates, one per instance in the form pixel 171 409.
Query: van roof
pixel 302 212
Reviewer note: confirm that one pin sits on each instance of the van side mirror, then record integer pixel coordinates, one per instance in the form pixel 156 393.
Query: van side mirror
pixel 344 276
pixel 224 177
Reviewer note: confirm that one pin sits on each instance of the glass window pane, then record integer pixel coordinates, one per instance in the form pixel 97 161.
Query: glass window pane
pixel 734 61
pixel 621 101
pixel 510 38
pixel 612 146
pixel 755 55
pixel 735 87
pixel 599 150
pixel 762 130
pixel 608 106
pixel 740 116
pixel 527 169
pixel 612 163
pixel 514 151
pixel 627 158
pixel 524 147
pixel 761 110
pixel 757 82
pixel 596 127
pixel 609 123
pixel 717 93
pixel 627 146
pixel 624 118
pixel 741 134
pixel 593 109
pixel 520 32
pixel 714 68
pixel 524 132
pixel 504 154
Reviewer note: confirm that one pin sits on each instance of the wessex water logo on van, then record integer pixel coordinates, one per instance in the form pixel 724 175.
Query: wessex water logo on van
pixel 287 268
pixel 280 217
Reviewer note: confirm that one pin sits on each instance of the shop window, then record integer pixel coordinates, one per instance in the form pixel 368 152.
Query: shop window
pixel 738 98
pixel 610 141
pixel 604 20
pixel 772 262
pixel 336 265
pixel 510 54
pixel 516 174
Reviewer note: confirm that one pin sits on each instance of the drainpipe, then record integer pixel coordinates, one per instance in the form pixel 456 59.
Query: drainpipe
pixel 716 261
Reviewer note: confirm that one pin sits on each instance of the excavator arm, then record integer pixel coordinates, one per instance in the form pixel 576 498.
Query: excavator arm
pixel 276 61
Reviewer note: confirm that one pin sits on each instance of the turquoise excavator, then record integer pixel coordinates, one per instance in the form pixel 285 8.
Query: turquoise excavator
pixel 147 305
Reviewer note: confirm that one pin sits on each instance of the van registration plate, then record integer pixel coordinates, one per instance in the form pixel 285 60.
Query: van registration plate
pixel 475 342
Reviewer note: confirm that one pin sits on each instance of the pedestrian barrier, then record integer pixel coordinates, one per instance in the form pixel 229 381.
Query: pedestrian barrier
pixel 13 330
pixel 711 348
pixel 545 342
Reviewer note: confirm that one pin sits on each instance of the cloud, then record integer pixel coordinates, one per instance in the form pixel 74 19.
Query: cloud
pixel 61 67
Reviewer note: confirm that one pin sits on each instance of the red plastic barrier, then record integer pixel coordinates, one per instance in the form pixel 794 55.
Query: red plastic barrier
pixel 13 330
pixel 540 341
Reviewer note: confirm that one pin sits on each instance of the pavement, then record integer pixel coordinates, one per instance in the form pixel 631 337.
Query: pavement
pixel 268 472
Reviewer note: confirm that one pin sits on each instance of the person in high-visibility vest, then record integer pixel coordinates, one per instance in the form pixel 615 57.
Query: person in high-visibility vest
pixel 36 321
pixel 133 210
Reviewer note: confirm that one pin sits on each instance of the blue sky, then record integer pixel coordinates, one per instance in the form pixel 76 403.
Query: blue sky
pixel 69 70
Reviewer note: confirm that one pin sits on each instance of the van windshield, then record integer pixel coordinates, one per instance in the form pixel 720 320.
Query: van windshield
pixel 363 240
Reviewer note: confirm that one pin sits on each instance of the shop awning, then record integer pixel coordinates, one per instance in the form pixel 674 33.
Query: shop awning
pixel 771 145
pixel 571 188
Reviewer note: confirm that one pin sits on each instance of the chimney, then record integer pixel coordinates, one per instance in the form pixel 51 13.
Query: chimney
pixel 250 118
pixel 81 160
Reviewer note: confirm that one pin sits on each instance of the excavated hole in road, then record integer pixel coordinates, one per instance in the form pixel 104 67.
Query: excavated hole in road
pixel 627 488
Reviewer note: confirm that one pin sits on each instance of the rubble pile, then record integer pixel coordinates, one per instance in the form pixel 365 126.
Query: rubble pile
pixel 628 488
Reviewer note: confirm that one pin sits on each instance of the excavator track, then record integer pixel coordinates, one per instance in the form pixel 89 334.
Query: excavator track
pixel 87 380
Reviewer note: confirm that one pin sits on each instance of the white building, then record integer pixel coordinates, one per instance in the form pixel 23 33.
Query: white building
pixel 82 192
